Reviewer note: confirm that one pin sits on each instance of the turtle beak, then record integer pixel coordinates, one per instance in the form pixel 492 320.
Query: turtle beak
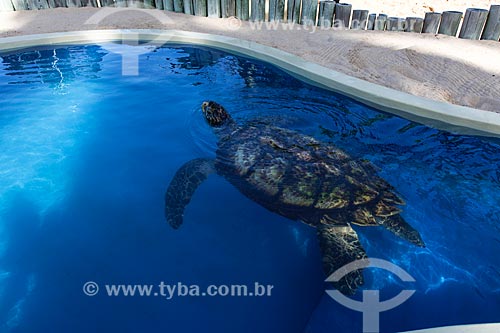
pixel 204 107
pixel 207 110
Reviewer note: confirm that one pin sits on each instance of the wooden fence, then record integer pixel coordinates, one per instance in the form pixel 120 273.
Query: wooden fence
pixel 476 23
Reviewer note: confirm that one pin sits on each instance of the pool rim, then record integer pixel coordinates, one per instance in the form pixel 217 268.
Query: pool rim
pixel 441 115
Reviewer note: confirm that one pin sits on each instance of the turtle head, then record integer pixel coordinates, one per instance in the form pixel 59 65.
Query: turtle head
pixel 215 114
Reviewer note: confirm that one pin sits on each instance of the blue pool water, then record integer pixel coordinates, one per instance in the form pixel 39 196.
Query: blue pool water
pixel 86 155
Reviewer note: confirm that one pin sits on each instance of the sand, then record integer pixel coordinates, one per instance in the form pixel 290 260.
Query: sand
pixel 441 68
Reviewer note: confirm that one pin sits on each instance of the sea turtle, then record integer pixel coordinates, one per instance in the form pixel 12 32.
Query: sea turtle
pixel 298 177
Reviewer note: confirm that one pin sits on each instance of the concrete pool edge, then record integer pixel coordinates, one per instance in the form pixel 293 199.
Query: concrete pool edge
pixel 442 115
pixel 472 328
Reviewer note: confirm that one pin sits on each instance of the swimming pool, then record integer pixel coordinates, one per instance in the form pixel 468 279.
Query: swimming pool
pixel 86 156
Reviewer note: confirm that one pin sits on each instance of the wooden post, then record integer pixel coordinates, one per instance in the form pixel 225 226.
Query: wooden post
pixel 342 15
pixel 243 9
pixel 326 10
pixel 473 25
pixel 293 11
pixel 228 8
pixel 157 3
pixel 359 18
pixel 148 4
pixel 258 10
pixel 104 3
pixel 133 3
pixel 73 3
pixel 30 4
pixel 380 22
pixel 200 7
pixel 179 6
pixel 492 27
pixel 213 8
pixel 450 22
pixel 6 6
pixel 168 5
pixel 37 4
pixel 431 22
pixel 19 5
pixel 276 10
pixel 392 23
pixel 396 24
pixel 309 9
pixel 414 24
pixel 401 24
pixel 188 6
pixel 371 21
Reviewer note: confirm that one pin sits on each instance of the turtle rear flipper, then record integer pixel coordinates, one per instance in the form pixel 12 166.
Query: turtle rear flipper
pixel 182 187
pixel 397 225
pixel 340 246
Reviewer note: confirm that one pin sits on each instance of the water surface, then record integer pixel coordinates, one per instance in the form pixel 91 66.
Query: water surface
pixel 86 155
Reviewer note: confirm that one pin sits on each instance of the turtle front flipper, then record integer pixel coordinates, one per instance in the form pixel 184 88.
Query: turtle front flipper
pixel 182 187
pixel 397 225
pixel 340 246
